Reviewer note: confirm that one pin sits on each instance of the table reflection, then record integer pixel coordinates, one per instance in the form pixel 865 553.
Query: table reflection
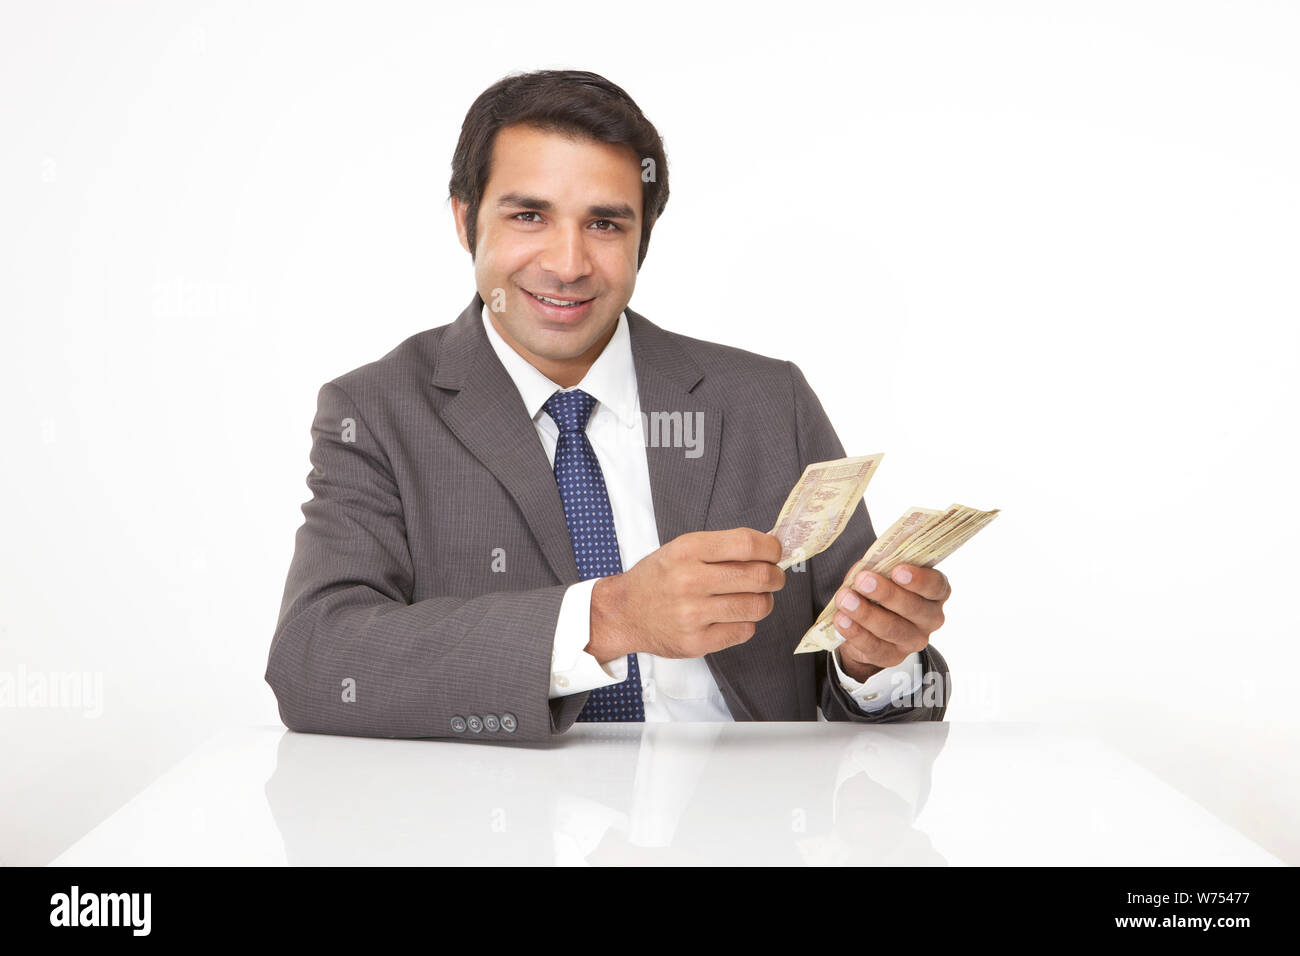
pixel 641 794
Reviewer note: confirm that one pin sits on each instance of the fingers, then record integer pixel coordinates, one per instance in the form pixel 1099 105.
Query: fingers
pixel 735 544
pixel 884 620
pixel 880 623
pixel 728 635
pixel 736 608
pixel 879 610
pixel 927 582
pixel 727 577
pixel 740 560
pixel 927 615
pixel 866 648
pixel 885 641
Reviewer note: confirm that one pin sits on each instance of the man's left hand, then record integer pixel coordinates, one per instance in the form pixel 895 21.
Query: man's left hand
pixel 883 619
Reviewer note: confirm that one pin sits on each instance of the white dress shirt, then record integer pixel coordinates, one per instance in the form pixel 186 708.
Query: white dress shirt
pixel 673 688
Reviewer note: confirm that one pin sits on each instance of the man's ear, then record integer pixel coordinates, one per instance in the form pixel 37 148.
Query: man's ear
pixel 458 210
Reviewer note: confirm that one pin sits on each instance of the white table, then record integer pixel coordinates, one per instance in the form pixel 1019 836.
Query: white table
pixel 747 793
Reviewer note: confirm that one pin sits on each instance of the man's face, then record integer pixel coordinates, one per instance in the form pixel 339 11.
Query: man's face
pixel 560 218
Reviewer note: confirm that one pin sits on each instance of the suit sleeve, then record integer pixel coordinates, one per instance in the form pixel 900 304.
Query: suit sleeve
pixel 817 441
pixel 352 653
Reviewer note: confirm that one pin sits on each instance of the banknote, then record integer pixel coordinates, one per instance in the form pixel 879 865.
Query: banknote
pixel 820 505
pixel 922 537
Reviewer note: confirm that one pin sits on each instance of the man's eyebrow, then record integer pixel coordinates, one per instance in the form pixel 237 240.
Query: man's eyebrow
pixel 620 211
pixel 602 211
pixel 525 202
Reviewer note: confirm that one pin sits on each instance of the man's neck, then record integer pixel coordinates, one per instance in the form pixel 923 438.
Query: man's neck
pixel 563 372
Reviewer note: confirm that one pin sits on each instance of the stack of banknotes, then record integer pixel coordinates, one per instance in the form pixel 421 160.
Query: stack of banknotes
pixel 818 509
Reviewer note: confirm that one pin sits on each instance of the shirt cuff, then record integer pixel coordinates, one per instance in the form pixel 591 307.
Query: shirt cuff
pixel 573 670
pixel 884 686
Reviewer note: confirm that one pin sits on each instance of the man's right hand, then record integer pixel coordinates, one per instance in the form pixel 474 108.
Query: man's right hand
pixel 697 594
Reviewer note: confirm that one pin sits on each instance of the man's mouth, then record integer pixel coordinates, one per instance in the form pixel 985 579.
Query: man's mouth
pixel 559 303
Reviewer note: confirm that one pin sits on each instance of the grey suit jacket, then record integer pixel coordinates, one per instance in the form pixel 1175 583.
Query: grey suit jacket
pixel 428 478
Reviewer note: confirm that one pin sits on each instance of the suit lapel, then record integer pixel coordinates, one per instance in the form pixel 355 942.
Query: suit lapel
pixel 680 486
pixel 489 418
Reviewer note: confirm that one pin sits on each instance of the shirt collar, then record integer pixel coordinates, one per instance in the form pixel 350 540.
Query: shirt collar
pixel 611 380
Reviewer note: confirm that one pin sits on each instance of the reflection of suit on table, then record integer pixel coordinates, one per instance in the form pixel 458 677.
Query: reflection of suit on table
pixel 426 461
pixel 621 793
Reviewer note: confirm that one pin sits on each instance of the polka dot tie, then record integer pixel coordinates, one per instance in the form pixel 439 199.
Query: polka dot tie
pixel 591 529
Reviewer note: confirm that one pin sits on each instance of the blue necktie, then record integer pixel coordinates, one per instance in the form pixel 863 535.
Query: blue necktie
pixel 591 529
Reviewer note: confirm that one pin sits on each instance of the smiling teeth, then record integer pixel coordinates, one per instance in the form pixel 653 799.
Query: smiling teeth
pixel 555 301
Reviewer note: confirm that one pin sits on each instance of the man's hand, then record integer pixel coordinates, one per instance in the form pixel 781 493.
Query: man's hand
pixel 699 593
pixel 882 620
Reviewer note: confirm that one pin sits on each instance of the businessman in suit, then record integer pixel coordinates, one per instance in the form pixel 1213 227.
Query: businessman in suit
pixel 547 511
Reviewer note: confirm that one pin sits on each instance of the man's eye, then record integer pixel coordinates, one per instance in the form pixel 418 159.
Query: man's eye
pixel 613 227
pixel 528 213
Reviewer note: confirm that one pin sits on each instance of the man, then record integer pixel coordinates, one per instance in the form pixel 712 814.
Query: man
pixel 546 511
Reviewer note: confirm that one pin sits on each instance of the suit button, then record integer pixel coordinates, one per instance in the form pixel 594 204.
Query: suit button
pixel 491 723
pixel 508 723
pixel 475 723
pixel 458 724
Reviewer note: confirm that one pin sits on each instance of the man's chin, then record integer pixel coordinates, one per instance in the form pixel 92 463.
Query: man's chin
pixel 563 346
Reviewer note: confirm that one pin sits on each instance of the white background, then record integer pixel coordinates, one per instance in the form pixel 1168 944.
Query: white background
pixel 1042 255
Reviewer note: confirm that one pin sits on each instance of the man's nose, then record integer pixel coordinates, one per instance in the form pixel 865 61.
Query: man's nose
pixel 565 256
